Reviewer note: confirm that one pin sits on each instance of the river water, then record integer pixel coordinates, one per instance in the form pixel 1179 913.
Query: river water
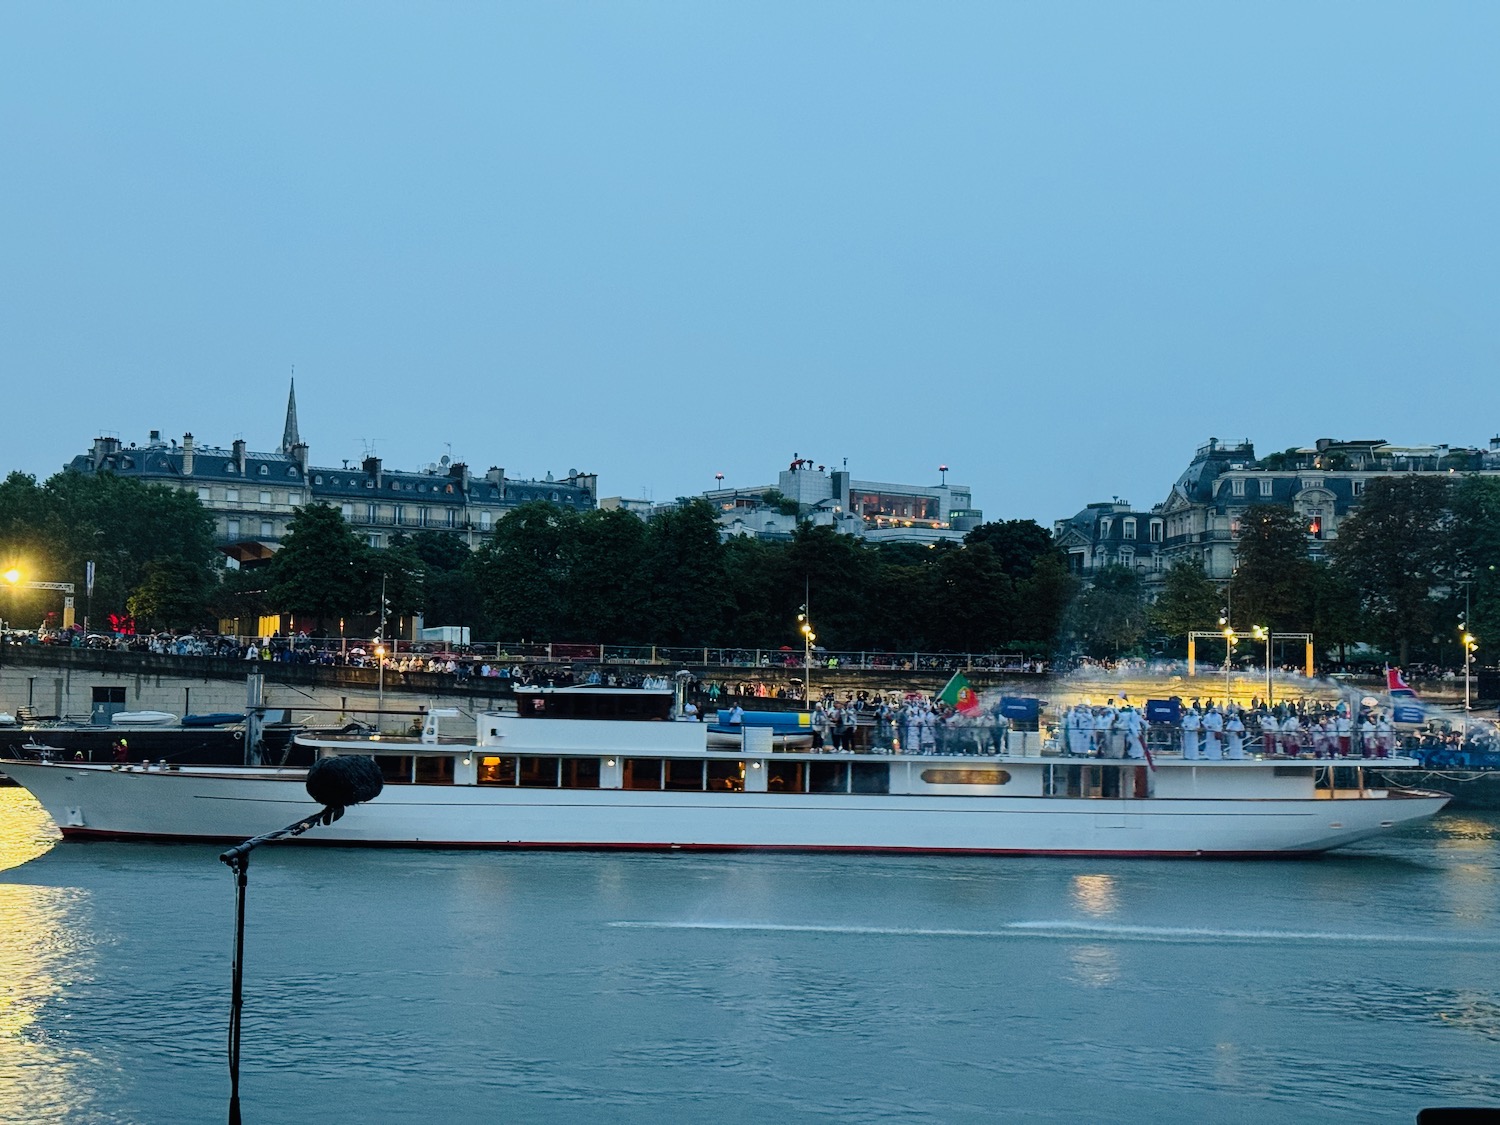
pixel 390 986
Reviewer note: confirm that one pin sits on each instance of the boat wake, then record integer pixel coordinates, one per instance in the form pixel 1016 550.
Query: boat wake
pixel 1071 930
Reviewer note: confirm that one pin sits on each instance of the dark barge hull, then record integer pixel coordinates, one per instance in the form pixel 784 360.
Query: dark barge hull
pixel 187 746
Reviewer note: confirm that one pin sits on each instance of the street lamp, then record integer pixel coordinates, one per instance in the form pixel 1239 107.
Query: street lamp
pixel 380 683
pixel 1470 643
pixel 16 581
pixel 808 636
pixel 1228 656
pixel 1263 633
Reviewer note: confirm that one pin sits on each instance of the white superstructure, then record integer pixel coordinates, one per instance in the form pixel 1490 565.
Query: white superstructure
pixel 601 768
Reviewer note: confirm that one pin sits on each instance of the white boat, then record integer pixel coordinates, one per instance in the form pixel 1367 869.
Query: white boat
pixel 606 768
pixel 143 719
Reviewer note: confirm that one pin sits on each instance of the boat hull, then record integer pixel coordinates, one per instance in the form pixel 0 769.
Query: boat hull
pixel 94 802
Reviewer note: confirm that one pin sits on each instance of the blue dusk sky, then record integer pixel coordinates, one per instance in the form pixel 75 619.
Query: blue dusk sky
pixel 1053 245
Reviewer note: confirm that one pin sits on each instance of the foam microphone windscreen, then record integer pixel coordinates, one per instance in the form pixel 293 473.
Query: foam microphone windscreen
pixel 343 780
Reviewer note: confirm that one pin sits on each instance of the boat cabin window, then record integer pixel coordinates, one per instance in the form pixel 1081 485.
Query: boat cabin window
pixel 642 773
pixel 828 777
pixel 538 773
pixel 869 777
pixel 726 777
pixel 497 771
pixel 684 774
pixel 589 704
pixel 580 773
pixel 786 777
pixel 395 769
pixel 435 769
pixel 1107 782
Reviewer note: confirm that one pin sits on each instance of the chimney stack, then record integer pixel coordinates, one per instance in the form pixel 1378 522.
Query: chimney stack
pixel 187 454
pixel 239 456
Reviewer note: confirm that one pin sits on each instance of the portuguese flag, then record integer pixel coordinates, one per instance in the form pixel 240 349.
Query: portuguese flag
pixel 959 694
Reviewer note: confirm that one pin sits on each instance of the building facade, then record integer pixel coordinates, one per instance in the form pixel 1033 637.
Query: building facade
pixel 253 496
pixel 878 511
pixel 1200 518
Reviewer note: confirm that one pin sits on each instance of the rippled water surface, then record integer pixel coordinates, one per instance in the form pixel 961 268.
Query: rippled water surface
pixel 387 986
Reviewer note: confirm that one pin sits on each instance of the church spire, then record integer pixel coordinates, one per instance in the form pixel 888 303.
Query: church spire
pixel 289 436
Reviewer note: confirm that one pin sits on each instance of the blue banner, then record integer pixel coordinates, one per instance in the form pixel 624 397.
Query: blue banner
pixel 1163 710
pixel 1019 707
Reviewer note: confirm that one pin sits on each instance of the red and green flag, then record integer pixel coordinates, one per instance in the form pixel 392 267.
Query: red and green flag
pixel 959 694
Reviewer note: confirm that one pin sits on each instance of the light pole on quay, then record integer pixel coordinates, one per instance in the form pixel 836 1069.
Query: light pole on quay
pixel 1263 633
pixel 808 636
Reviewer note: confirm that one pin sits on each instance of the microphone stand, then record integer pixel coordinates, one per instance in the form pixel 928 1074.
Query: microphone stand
pixel 238 860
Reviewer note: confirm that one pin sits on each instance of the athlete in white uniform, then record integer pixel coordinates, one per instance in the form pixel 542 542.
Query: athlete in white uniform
pixel 1385 736
pixel 1235 729
pixel 1135 742
pixel 1192 723
pixel 1213 726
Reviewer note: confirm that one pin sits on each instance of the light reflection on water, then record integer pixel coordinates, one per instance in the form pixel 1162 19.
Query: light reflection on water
pixel 41 957
pixel 25 830
pixel 466 987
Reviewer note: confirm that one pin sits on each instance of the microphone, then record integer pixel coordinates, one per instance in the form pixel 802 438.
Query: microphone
pixel 341 780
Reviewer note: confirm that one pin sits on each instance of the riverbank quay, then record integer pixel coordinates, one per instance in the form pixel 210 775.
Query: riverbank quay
pixel 60 682
pixel 63 682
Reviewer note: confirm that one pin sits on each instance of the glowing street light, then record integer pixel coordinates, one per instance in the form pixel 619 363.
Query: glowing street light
pixel 16 580
pixel 808 636
pixel 1470 643
pixel 380 681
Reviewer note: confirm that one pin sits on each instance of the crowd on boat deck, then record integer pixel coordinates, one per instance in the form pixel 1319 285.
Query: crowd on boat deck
pixel 1209 731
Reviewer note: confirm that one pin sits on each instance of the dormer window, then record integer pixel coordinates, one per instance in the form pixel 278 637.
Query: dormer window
pixel 229 467
pixel 1237 486
pixel 318 479
pixel 291 470
pixel 1129 527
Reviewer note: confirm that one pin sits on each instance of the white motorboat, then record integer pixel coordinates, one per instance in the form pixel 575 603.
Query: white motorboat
pixel 583 767
pixel 144 719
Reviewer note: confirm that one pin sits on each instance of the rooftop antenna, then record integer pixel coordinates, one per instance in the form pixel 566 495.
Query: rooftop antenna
pixel 944 470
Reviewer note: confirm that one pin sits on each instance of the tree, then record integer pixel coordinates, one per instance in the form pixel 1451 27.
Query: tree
pixel 173 594
pixel 1475 537
pixel 686 595
pixel 1109 618
pixel 241 596
pixel 1018 545
pixel 450 593
pixel 1273 573
pixel 400 570
pixel 522 571
pixel 52 531
pixel 1189 600
pixel 605 563
pixel 973 600
pixel 1393 552
pixel 322 569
